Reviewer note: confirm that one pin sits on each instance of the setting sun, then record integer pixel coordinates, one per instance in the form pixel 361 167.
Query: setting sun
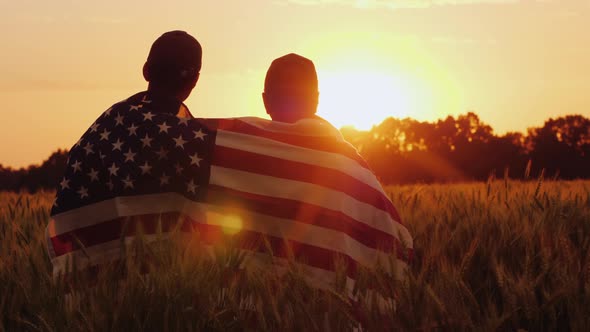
pixel 382 78
pixel 362 98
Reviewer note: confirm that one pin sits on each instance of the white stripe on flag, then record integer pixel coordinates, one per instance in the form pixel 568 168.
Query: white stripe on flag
pixel 117 207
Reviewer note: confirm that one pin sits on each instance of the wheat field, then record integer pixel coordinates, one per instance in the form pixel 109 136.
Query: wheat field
pixel 502 255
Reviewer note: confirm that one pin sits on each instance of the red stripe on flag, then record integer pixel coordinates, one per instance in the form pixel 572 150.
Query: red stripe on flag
pixel 304 213
pixel 292 170
pixel 320 143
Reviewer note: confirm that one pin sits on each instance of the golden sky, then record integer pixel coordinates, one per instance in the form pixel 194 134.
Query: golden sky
pixel 515 63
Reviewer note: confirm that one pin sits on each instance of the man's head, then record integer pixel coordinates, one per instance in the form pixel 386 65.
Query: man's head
pixel 291 89
pixel 173 64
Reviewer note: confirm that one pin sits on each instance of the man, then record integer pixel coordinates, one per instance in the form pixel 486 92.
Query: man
pixel 105 164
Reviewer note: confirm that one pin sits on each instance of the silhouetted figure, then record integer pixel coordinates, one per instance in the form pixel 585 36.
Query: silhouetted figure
pixel 291 99
pixel 172 70
pixel 291 89
pixel 127 151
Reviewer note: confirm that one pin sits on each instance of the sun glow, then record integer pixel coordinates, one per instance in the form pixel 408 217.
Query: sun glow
pixel 230 223
pixel 381 77
pixel 362 98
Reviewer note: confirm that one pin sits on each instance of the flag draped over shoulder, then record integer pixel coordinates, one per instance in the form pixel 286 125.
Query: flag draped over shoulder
pixel 299 188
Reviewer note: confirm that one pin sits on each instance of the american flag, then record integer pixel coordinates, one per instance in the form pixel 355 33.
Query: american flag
pixel 299 188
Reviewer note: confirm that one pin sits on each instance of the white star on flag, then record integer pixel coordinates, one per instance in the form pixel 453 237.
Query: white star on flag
pixel 105 135
pixel 147 141
pixel 135 107
pixel 119 120
pixel 117 145
pixel 164 127
pixel 191 187
pixel 145 168
pixel 132 129
pixel 93 175
pixel 129 156
pixel 113 169
pixel 195 160
pixel 128 182
pixel 200 134
pixel 83 192
pixel 183 121
pixel 164 179
pixel 148 116
pixel 88 148
pixel 76 166
pixel 179 141
pixel 65 184
pixel 162 154
pixel 94 127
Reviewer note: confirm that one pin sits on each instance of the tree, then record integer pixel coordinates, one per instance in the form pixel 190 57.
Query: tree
pixel 562 146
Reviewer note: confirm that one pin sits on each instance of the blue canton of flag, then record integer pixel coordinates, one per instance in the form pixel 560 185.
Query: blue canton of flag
pixel 133 150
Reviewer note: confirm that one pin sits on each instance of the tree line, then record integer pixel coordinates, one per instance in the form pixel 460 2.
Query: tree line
pixel 35 177
pixel 404 151
pixel 466 149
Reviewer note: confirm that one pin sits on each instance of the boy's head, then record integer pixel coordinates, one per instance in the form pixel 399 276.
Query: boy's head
pixel 291 89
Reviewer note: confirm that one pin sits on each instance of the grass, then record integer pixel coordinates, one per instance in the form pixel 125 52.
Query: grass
pixel 504 255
